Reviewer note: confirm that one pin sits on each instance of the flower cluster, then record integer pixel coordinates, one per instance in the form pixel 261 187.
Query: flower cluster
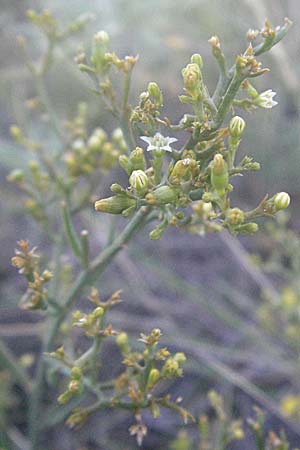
pixel 134 389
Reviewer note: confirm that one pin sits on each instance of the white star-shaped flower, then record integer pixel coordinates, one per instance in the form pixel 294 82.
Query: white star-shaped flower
pixel 265 99
pixel 159 142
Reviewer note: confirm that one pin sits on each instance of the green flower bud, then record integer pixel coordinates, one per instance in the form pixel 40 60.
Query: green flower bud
pixel 197 59
pixel 117 188
pixel 155 410
pixel 137 159
pixel 180 357
pixel 65 397
pixel 180 169
pixel 97 313
pixel 122 342
pixel 126 164
pixel 236 127
pixel 156 233
pixel 281 200
pixel 114 205
pixel 162 196
pixel 171 369
pixel 219 174
pixel 247 228
pixel 207 197
pixel 155 92
pixel 153 378
pixel 99 49
pixel 235 216
pixel 16 133
pixel 101 37
pixel 139 181
pixel 191 77
pixel 76 373
pixel 16 176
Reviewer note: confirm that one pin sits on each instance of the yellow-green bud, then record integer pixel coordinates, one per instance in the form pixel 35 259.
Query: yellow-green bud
pixel 191 77
pixel 235 216
pixel 219 174
pixel 98 312
pixel 16 176
pixel 197 59
pixel 153 378
pixel 115 205
pixel 208 197
pixel 236 127
pixel 181 168
pixel 155 410
pixel 101 37
pixel 126 164
pixel 116 188
pixel 16 133
pixel 122 342
pixel 281 200
pixel 157 233
pixel 139 181
pixel 162 196
pixel 180 357
pixel 137 159
pixel 155 92
pixel 65 397
pixel 76 373
pixel 247 228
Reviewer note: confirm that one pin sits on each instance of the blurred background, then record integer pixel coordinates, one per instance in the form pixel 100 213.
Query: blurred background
pixel 209 295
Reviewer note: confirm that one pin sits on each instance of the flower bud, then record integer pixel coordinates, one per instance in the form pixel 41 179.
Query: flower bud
pixel 156 233
pixel 162 196
pixel 16 176
pixel 208 197
pixel 137 159
pixel 180 357
pixel 122 342
pixel 219 174
pixel 236 127
pixel 126 164
pixel 235 216
pixel 281 200
pixel 247 228
pixel 191 77
pixel 180 169
pixel 101 37
pixel 153 378
pixel 139 181
pixel 197 59
pixel 155 92
pixel 115 205
pixel 117 188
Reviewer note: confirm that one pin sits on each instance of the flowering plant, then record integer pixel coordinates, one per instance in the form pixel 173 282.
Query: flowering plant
pixel 188 187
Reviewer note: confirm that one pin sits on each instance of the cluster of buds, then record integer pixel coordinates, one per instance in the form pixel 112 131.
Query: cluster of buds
pixel 198 178
pixel 135 387
pixel 97 153
pixel 146 113
pixel 75 386
pixel 26 260
pixel 101 60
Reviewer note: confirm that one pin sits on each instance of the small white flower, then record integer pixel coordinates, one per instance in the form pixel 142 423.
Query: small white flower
pixel 265 99
pixel 159 142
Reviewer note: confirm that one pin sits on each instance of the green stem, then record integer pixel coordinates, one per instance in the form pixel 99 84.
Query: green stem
pixel 125 116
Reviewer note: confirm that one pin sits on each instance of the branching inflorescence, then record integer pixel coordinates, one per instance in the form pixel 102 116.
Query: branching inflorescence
pixel 187 187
